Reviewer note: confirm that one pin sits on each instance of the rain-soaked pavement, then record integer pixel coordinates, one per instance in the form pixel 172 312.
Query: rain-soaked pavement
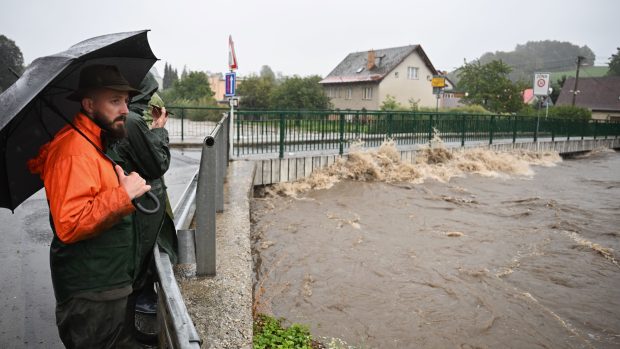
pixel 26 298
pixel 477 262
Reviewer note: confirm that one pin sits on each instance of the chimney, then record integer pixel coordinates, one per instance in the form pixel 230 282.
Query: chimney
pixel 371 60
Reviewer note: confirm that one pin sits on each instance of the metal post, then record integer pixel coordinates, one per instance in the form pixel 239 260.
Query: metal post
pixel 205 212
pixel 220 153
pixel 492 126
pixel 182 118
pixel 537 122
pixel 595 124
pixel 238 134
pixel 389 125
pixel 229 123
pixel 282 133
pixel 463 118
pixel 430 129
pixel 341 133
pixel 514 130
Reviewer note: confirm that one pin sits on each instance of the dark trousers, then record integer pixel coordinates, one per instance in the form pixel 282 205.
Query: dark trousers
pixel 85 323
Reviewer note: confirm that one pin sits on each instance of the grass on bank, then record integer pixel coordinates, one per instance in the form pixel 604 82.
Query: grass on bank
pixel 269 333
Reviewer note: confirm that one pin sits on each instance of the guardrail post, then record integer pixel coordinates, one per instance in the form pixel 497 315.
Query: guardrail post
pixel 182 121
pixel 463 120
pixel 492 127
pixel 341 133
pixel 282 134
pixel 205 209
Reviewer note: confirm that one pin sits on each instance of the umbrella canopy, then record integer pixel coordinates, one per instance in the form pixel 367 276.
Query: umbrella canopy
pixel 27 116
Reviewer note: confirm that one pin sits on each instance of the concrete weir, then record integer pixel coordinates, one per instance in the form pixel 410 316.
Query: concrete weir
pixel 270 171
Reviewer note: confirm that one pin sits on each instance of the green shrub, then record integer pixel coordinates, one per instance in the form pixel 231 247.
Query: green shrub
pixel 569 112
pixel 200 113
pixel 269 333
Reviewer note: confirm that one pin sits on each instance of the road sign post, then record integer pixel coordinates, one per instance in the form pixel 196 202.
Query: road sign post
pixel 439 83
pixel 231 82
pixel 541 90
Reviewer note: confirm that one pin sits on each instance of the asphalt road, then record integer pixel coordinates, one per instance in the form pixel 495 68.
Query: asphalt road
pixel 27 302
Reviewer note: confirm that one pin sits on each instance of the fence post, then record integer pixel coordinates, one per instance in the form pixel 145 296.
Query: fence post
pixel 553 123
pixel 282 133
pixel 536 131
pixel 205 212
pixel 514 130
pixel 182 121
pixel 595 124
pixel 430 128
pixel 389 125
pixel 341 133
pixel 492 127
pixel 463 120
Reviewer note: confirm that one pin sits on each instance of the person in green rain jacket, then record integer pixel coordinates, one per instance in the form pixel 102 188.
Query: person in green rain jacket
pixel 145 151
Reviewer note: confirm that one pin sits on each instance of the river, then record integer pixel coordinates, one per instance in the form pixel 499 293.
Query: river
pixel 510 260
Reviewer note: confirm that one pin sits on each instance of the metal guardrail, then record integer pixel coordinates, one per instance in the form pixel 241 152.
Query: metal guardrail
pixel 210 194
pixel 202 197
pixel 280 132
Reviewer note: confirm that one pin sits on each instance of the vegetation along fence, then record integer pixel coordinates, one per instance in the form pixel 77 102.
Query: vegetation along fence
pixel 282 132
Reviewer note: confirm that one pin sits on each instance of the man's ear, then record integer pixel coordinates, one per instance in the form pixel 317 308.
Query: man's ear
pixel 88 104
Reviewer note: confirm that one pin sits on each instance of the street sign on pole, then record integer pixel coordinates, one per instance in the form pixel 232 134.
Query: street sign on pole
pixel 541 84
pixel 231 79
pixel 232 57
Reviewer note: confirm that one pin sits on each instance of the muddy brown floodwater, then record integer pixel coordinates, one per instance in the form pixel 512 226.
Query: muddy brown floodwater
pixel 519 261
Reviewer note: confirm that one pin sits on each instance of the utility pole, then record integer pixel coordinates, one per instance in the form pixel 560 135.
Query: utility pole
pixel 579 59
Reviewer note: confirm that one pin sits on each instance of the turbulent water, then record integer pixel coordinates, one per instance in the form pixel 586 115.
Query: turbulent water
pixel 469 250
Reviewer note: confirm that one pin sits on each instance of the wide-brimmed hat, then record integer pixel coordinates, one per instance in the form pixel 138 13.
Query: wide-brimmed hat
pixel 99 76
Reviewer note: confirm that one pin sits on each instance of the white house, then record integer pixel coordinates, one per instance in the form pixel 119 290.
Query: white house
pixel 365 79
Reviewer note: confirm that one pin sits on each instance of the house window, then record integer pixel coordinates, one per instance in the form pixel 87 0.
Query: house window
pixel 412 73
pixel 396 75
pixel 349 93
pixel 367 93
pixel 333 92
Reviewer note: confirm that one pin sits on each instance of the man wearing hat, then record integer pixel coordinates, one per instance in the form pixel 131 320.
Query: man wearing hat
pixel 92 254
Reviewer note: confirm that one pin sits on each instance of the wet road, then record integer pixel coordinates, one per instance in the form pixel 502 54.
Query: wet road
pixel 26 297
pixel 477 262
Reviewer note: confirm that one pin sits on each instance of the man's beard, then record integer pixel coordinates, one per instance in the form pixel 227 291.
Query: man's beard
pixel 119 132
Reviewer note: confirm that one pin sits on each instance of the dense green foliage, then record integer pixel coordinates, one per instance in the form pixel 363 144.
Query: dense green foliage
pixel 270 334
pixel 192 91
pixel 266 91
pixel 614 64
pixel 255 92
pixel 559 112
pixel 10 58
pixel 538 56
pixel 489 85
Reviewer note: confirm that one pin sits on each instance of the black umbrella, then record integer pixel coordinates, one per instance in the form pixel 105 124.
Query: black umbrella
pixel 35 108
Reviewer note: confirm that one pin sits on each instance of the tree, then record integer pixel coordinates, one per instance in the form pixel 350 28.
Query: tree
pixel 255 92
pixel 267 73
pixel 170 76
pixel 193 87
pixel 300 93
pixel 489 85
pixel 538 56
pixel 614 64
pixel 10 58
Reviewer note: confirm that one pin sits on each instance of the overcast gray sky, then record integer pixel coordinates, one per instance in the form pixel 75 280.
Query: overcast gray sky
pixel 311 37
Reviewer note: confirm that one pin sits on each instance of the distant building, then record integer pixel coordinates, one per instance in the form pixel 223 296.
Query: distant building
pixel 365 79
pixel 600 95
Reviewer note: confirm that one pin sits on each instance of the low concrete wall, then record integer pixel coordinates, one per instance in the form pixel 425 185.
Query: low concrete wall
pixel 270 171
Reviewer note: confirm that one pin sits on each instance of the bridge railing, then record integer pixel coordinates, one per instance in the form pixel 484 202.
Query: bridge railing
pixel 282 132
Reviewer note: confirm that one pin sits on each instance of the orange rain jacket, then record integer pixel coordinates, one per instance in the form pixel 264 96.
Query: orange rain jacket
pixel 82 188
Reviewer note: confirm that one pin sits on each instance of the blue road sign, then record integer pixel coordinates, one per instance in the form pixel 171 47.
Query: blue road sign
pixel 231 80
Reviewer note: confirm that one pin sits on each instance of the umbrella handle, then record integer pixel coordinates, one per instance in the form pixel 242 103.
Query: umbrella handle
pixel 145 210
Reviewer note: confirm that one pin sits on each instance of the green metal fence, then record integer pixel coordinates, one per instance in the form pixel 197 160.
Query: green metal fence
pixel 282 132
